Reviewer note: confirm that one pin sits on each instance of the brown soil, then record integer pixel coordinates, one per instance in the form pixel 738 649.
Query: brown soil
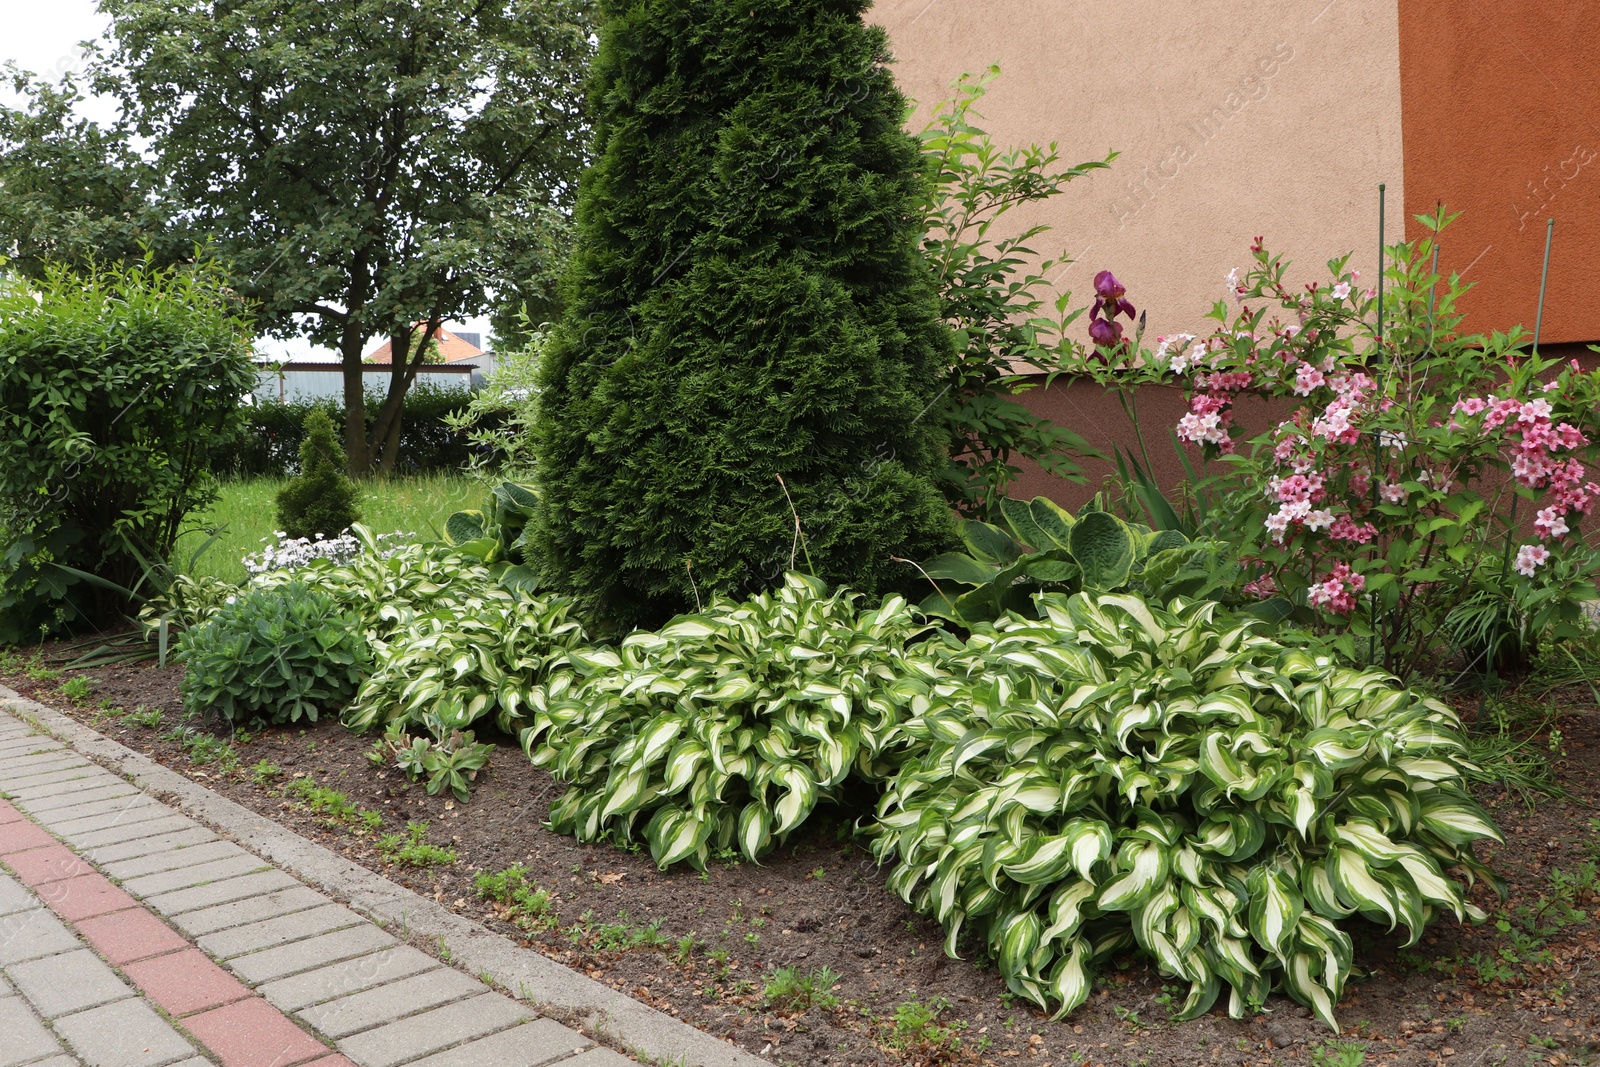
pixel 821 902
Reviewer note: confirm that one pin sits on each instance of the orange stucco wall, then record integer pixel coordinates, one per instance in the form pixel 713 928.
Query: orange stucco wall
pixel 1500 108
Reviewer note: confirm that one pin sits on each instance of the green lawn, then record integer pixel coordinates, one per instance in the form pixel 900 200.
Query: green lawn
pixel 247 512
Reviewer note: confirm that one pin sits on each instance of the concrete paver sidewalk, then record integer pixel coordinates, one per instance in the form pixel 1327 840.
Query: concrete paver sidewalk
pixel 133 936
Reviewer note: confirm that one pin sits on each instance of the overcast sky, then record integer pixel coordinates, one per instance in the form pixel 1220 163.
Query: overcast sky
pixel 42 36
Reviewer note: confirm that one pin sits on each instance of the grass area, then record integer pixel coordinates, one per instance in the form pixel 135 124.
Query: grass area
pixel 247 512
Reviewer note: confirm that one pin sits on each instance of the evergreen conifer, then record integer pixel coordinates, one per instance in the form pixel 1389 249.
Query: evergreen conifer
pixel 321 499
pixel 752 338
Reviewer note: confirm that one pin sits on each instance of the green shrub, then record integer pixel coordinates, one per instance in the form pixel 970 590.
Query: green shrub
pixel 114 386
pixel 321 499
pixel 269 442
pixel 1119 774
pixel 274 655
pixel 745 302
pixel 729 725
pixel 989 292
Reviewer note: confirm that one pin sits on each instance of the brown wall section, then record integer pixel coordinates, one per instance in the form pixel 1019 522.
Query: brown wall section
pixel 1500 106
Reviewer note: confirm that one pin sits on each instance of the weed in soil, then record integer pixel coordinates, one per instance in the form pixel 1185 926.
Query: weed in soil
pixel 411 849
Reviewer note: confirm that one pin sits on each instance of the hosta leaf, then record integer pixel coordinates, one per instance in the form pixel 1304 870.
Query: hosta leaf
pixel 1275 907
pixel 1103 546
pixel 1457 820
pixel 1357 888
pixel 1145 865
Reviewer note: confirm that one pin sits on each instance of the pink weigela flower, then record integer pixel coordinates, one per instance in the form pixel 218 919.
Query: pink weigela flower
pixel 1530 558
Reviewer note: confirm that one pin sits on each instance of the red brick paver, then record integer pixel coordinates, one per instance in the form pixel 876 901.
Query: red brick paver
pixel 252 1033
pixel 130 935
pixel 8 813
pixel 40 865
pixel 84 897
pixel 335 1060
pixel 17 836
pixel 186 982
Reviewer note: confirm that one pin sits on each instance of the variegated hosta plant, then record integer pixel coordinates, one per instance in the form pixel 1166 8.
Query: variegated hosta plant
pixel 1117 774
pixel 484 651
pixel 728 725
pixel 390 587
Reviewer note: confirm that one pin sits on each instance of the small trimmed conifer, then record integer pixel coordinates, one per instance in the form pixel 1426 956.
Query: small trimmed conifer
pixel 752 338
pixel 321 499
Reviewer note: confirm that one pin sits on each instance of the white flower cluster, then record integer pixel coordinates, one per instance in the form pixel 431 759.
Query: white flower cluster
pixel 292 553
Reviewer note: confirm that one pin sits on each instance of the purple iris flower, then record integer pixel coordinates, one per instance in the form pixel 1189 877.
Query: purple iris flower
pixel 1110 301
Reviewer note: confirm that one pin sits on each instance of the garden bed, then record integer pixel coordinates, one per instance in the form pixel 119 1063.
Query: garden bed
pixel 705 947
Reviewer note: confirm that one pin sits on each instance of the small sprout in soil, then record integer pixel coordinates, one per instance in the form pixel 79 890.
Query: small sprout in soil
pixel 205 749
pixel 149 718
pixel 265 772
pixel 1130 1018
pixel 619 936
pixel 524 903
pixel 1338 1054
pixel 35 669
pixel 686 946
pixel 334 806
pixel 411 849
pixel 753 938
pixel 77 688
pixel 819 874
pixel 916 1026
pixel 789 990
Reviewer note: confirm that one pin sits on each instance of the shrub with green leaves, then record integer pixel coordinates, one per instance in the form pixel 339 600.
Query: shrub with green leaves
pixel 730 724
pixel 274 655
pixel 1117 774
pixel 115 385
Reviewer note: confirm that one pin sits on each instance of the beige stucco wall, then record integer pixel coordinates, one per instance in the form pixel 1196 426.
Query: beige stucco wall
pixel 1233 118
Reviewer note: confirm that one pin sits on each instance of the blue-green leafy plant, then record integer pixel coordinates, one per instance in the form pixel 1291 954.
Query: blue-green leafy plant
pixel 273 655
pixel 498 536
pixel 1043 547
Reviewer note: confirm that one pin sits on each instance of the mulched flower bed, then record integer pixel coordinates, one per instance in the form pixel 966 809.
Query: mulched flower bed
pixel 703 946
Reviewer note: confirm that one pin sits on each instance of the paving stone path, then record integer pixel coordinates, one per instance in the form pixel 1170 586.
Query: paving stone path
pixel 133 936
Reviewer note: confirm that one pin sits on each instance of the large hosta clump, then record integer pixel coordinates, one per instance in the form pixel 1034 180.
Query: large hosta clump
pixel 728 725
pixel 1116 773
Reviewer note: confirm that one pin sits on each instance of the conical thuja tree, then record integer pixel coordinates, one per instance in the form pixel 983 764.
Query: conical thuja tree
pixel 746 301
pixel 320 499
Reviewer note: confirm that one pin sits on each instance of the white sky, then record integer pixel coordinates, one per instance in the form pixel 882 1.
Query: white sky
pixel 42 36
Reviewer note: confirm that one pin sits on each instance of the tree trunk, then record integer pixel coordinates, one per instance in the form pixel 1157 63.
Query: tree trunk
pixel 384 449
pixel 357 458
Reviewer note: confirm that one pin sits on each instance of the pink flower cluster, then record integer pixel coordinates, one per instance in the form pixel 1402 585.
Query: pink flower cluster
pixel 1337 593
pixel 1530 558
pixel 1536 439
